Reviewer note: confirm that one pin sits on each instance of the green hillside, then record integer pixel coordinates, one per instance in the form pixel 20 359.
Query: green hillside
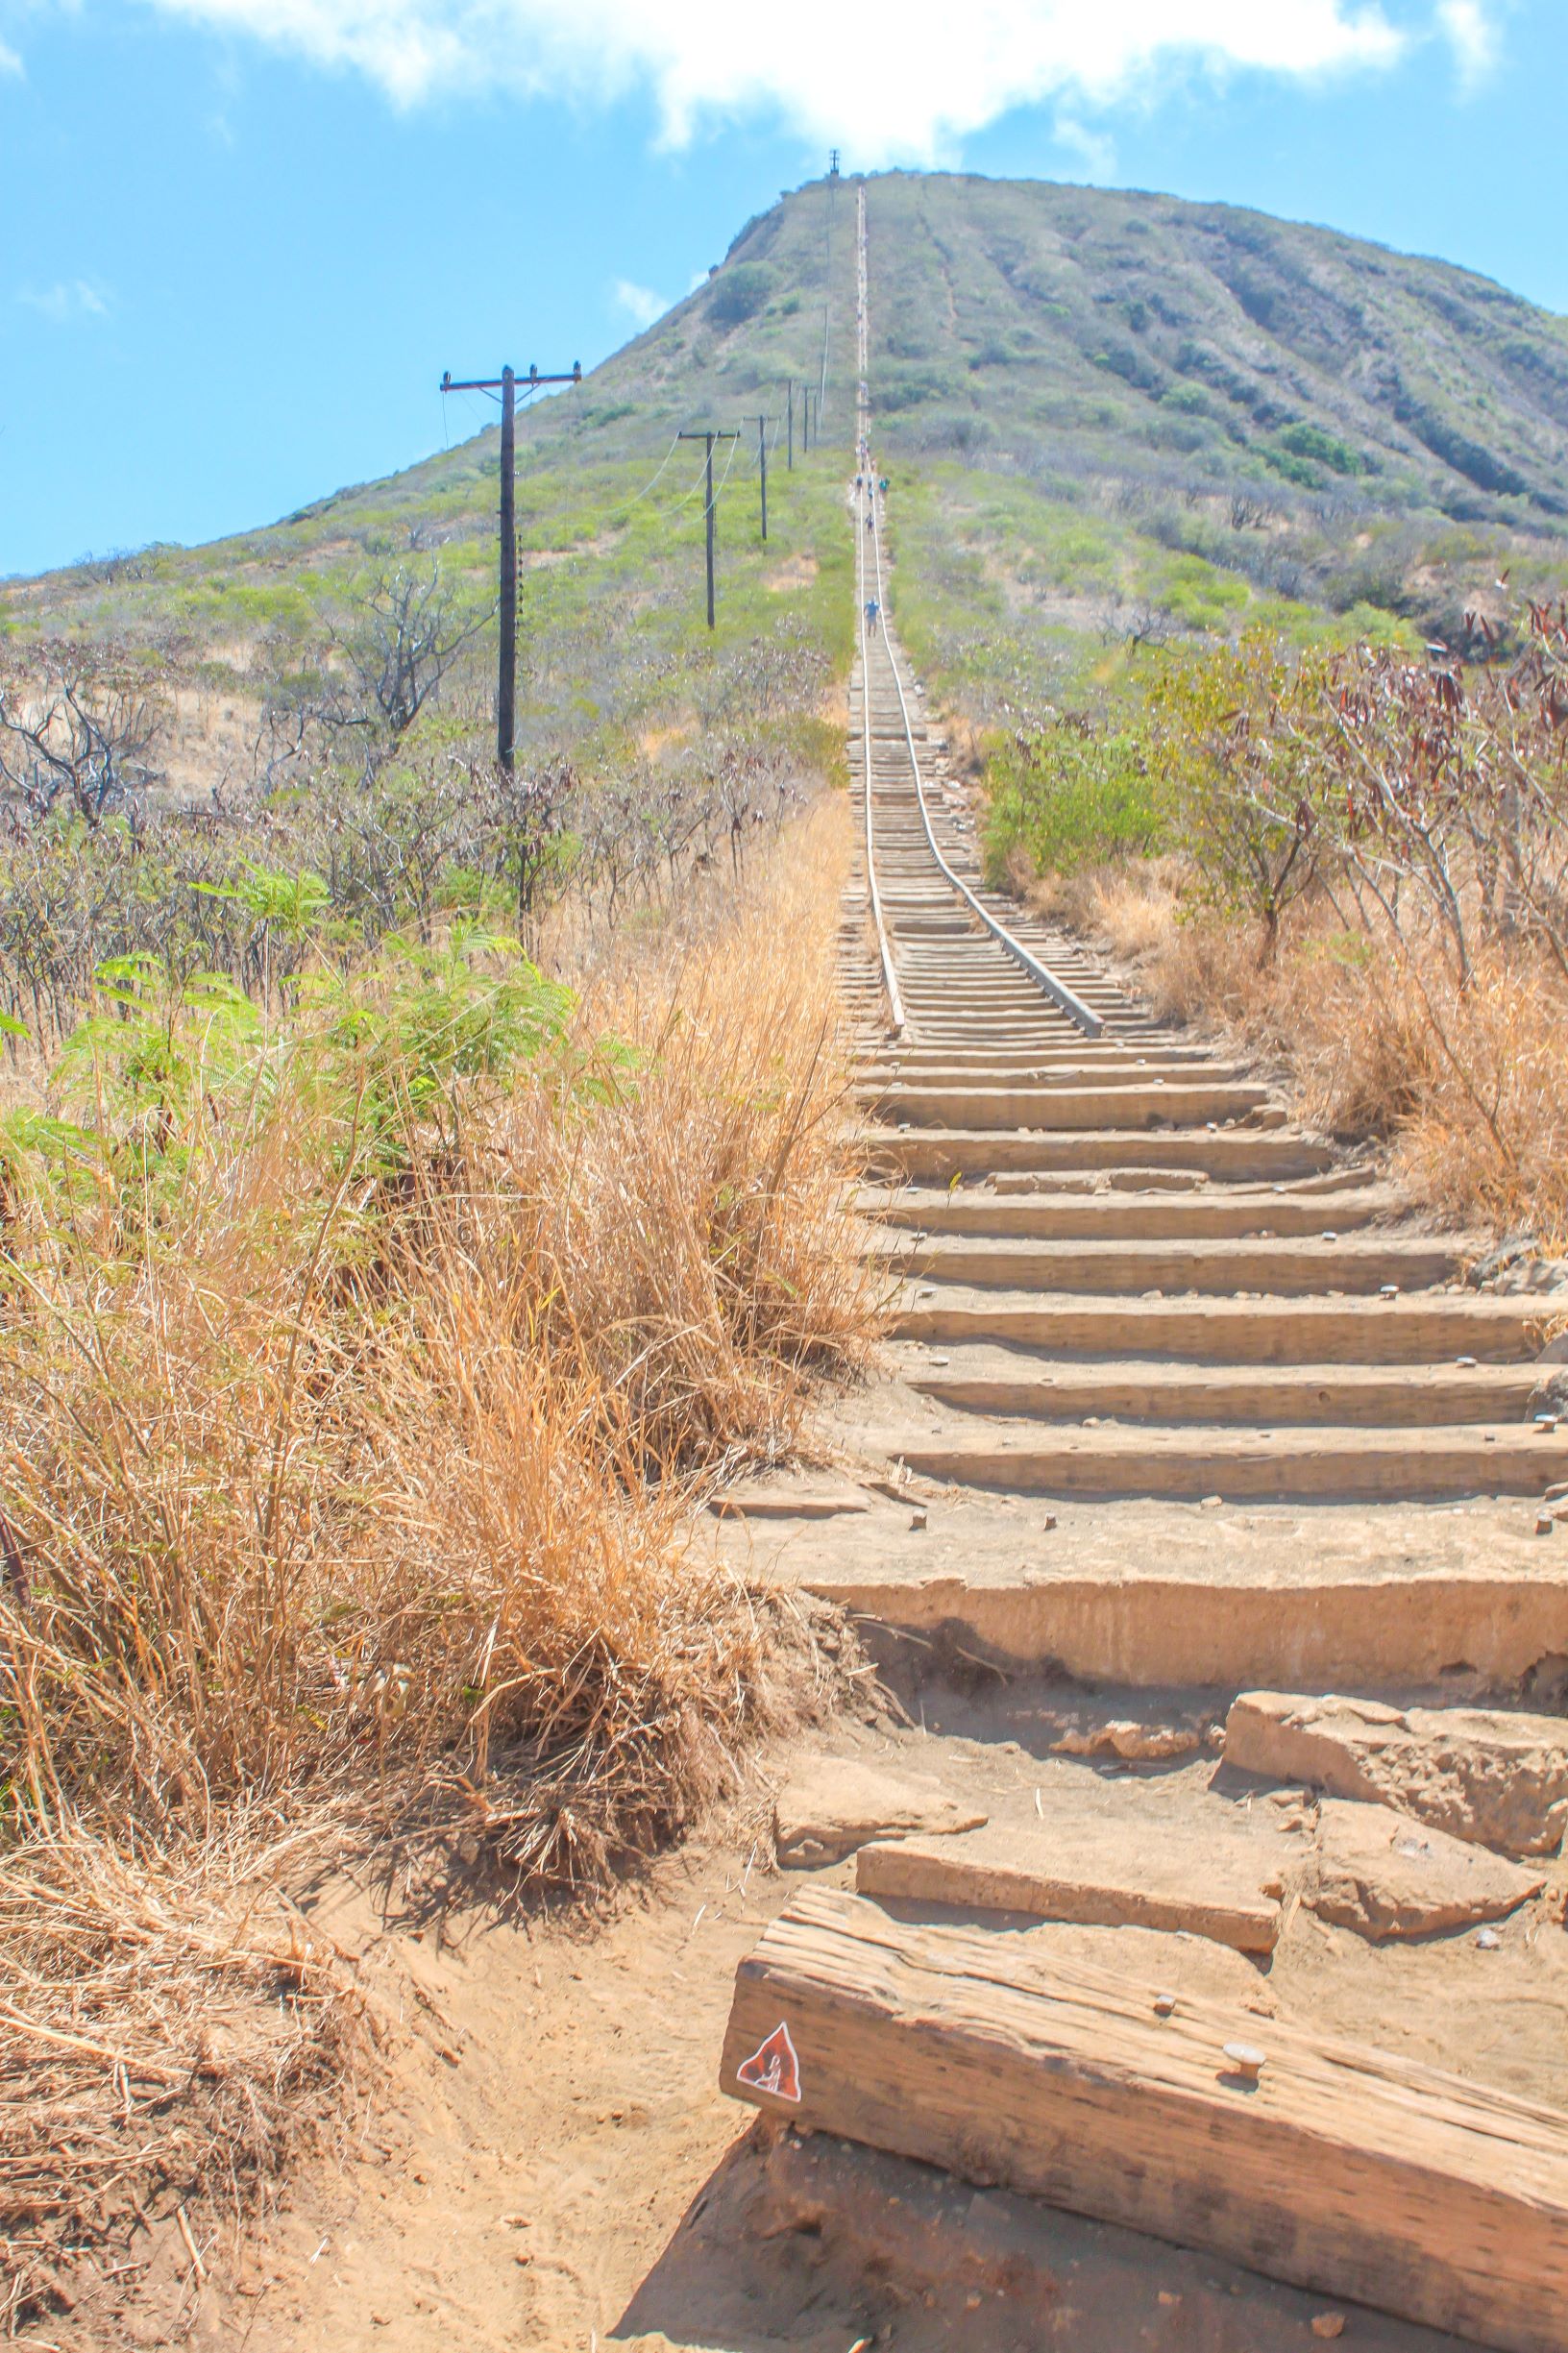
pixel 1073 329
pixel 1128 417
pixel 1113 417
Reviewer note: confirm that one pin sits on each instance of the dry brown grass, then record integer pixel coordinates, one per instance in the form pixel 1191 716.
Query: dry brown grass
pixel 1468 1085
pixel 165 2021
pixel 364 1498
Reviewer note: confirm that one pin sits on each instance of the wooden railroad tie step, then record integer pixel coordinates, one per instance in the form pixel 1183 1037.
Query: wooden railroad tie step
pixel 1338 2168
pixel 1239 1154
pixel 995 1383
pixel 1190 1464
pixel 1421 1331
pixel 1360 1265
pixel 1118 1214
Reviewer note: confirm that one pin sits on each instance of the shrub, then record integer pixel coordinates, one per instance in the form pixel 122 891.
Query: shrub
pixel 1246 774
pixel 1324 449
pixel 1292 467
pixel 1398 831
pixel 1198 595
pixel 738 293
pixel 1071 796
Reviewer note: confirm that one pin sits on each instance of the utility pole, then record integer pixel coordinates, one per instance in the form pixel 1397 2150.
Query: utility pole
pixel 807 395
pixel 709 439
pixel 505 383
pixel 762 469
pixel 827 285
pixel 790 395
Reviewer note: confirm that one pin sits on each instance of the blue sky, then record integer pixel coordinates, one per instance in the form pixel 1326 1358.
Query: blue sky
pixel 241 239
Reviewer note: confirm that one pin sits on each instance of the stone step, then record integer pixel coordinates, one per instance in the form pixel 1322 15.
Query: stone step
pixel 1047 1063
pixel 1049 1075
pixel 1019 1184
pixel 981 1051
pixel 1124 1872
pixel 1346 1610
pixel 1497 1776
pixel 1068 1106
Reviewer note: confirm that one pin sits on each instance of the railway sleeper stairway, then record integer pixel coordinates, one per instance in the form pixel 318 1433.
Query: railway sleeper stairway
pixel 1195 1864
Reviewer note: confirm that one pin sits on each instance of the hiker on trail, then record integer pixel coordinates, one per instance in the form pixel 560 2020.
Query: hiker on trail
pixel 873 608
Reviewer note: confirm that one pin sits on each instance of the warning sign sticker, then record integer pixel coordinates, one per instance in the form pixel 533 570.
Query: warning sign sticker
pixel 773 2067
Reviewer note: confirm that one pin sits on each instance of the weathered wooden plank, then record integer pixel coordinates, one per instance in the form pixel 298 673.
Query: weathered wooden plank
pixel 1189 1463
pixel 1419 1331
pixel 1207 1264
pixel 1341 2168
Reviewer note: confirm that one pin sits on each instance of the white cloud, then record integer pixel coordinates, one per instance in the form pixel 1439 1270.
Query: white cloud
pixel 1473 36
pixel 9 61
pixel 639 303
pixel 68 299
pixel 1095 150
pixel 937 74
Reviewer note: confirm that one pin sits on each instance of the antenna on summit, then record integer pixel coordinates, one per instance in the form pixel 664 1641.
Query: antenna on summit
pixel 833 165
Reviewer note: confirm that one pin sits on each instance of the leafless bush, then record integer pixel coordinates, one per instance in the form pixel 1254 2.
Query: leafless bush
pixel 1132 622
pixel 1397 832
pixel 1456 790
pixel 80 723
pixel 270 879
pixel 396 644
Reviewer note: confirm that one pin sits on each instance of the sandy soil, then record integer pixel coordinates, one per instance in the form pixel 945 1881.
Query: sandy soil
pixel 547 2162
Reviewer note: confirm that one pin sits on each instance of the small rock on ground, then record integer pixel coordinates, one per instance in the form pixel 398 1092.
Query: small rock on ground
pixel 834 1805
pixel 1489 1776
pixel 1136 1743
pixel 1385 1874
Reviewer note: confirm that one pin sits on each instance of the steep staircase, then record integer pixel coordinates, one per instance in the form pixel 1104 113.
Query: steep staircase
pixel 1201 1872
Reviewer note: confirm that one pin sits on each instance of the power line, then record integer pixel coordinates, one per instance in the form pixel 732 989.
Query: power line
pixel 638 496
pixel 687 496
pixel 735 444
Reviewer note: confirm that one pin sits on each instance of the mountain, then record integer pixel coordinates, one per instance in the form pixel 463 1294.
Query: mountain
pixel 1064 329
pixel 1123 417
pixel 1112 415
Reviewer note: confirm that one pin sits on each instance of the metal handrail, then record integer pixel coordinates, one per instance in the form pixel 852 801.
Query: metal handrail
pixel 1087 1020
